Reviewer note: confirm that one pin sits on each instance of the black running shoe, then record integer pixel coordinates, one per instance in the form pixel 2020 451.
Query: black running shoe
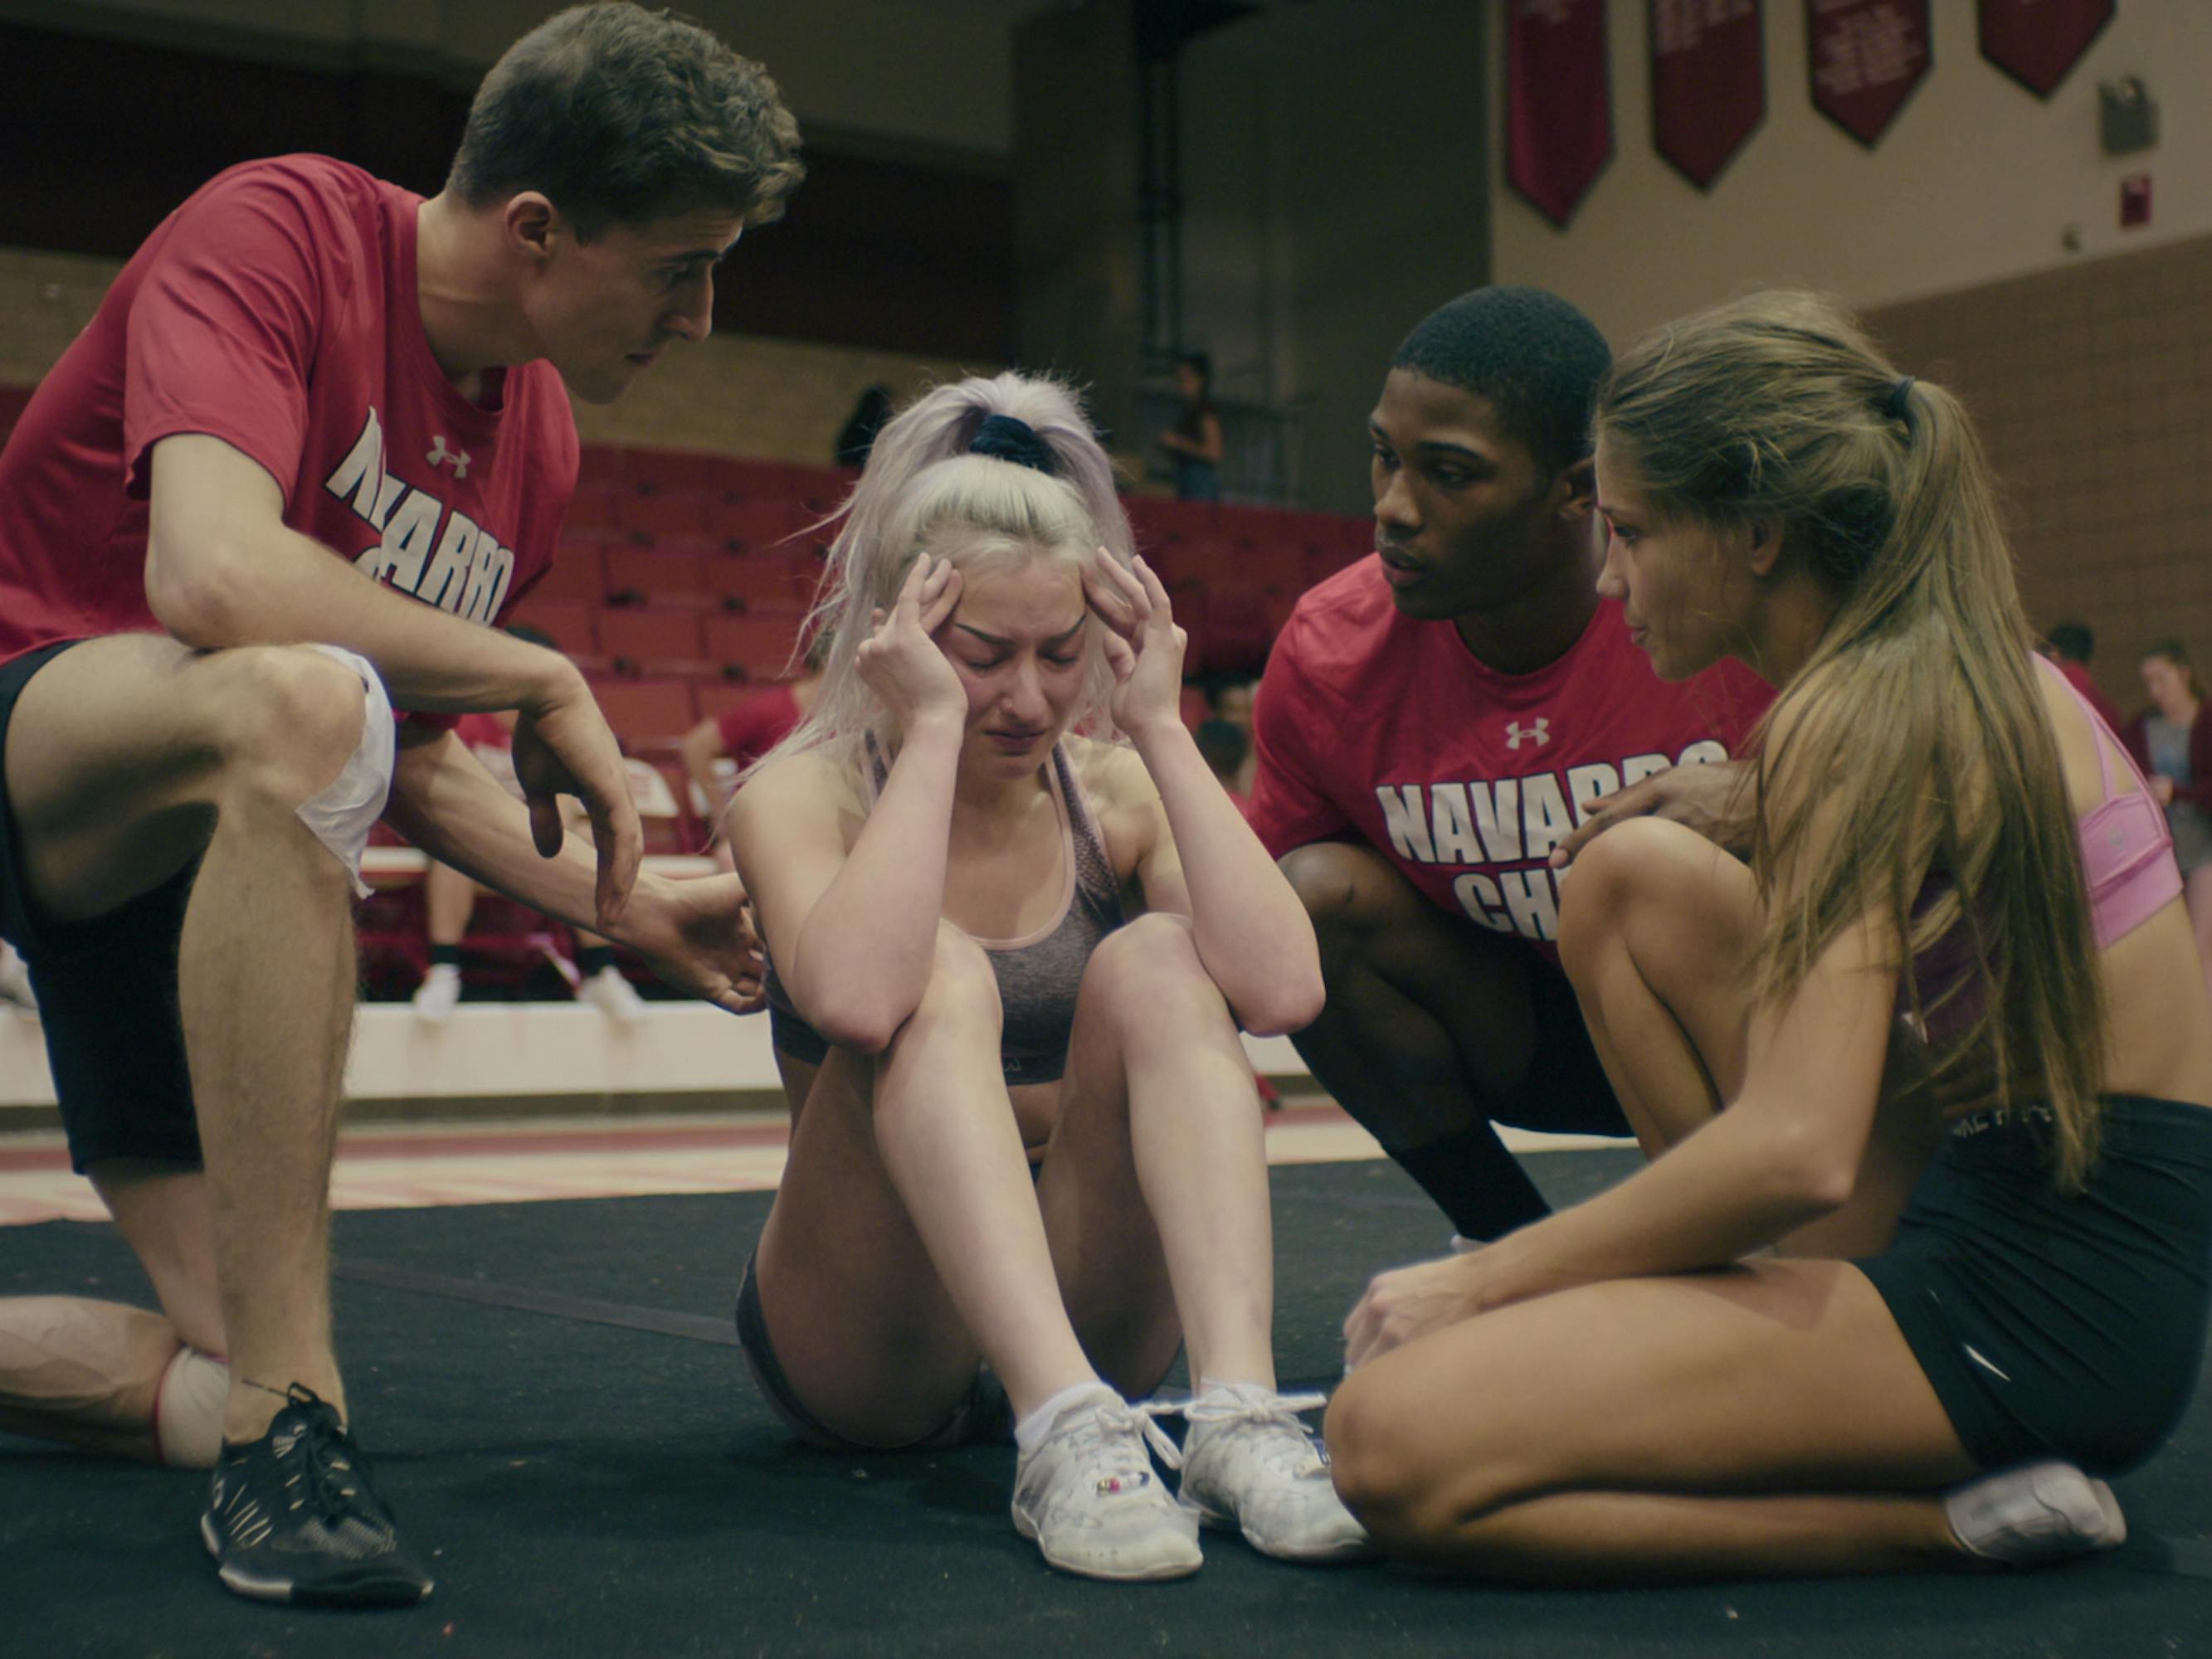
pixel 292 1517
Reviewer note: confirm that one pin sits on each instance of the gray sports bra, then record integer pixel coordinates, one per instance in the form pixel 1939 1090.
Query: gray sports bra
pixel 1038 975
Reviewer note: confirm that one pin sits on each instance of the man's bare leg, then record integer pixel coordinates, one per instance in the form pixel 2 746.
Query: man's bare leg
pixel 125 758
pixel 107 1377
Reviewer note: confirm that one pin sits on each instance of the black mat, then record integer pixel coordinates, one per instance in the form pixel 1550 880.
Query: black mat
pixel 554 1408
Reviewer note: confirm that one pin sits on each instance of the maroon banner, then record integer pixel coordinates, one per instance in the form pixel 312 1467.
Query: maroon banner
pixel 1708 83
pixel 2037 42
pixel 1559 108
pixel 1865 57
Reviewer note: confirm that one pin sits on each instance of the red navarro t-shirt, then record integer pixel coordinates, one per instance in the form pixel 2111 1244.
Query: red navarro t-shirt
pixel 752 726
pixel 277 310
pixel 1368 724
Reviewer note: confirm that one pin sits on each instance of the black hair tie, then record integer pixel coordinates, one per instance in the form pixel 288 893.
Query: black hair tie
pixel 1006 438
pixel 1893 406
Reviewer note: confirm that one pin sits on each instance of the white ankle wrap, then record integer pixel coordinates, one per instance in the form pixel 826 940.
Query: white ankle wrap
pixel 188 1410
pixel 340 818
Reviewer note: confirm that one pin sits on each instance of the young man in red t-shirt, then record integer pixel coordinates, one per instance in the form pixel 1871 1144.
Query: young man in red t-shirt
pixel 315 407
pixel 1441 724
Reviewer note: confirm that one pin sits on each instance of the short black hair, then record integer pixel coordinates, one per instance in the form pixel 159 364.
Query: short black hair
pixel 1199 362
pixel 2072 640
pixel 620 115
pixel 1532 356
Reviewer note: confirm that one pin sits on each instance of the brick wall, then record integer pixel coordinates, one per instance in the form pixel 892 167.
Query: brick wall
pixel 2092 387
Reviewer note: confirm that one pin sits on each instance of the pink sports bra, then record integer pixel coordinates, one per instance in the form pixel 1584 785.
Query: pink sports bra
pixel 2127 851
pixel 2127 863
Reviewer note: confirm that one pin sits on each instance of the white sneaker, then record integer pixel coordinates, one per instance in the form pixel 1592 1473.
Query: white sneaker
pixel 1091 1499
pixel 2033 1513
pixel 612 995
pixel 439 993
pixel 16 980
pixel 1249 1462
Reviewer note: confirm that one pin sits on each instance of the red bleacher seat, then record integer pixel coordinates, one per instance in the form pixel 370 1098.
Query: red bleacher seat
pixel 674 515
pixel 752 580
pixel 761 647
pixel 819 488
pixel 653 575
pixel 1240 628
pixel 594 508
pixel 758 524
pixel 1322 562
pixel 672 470
pixel 649 716
pixel 573 623
pixel 652 642
pixel 602 464
pixel 574 574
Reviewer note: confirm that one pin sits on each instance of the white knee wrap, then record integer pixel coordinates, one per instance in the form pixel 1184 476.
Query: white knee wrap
pixel 188 1410
pixel 340 816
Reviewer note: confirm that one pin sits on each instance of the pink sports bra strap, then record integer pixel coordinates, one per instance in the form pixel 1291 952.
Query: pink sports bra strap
pixel 2097 731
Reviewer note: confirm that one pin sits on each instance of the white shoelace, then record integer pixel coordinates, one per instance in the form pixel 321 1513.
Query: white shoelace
pixel 1102 1445
pixel 1226 1408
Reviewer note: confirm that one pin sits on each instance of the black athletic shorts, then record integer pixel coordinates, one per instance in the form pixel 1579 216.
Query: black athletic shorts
pixel 1566 1091
pixel 982 1418
pixel 2058 1325
pixel 108 996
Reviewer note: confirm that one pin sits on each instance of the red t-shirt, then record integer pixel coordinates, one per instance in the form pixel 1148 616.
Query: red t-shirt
pixel 277 310
pixel 752 726
pixel 1371 726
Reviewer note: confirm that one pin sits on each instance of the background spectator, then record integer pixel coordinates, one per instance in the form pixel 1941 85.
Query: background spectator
pixel 2070 645
pixel 742 734
pixel 1194 443
pixel 2172 740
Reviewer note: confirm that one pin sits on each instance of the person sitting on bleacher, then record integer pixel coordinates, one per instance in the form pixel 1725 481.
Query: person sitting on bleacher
pixel 723 745
pixel 449 900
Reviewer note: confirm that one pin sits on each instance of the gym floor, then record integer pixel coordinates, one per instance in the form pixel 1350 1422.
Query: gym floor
pixel 555 1404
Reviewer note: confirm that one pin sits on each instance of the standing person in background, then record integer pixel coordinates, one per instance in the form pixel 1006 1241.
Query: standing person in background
pixel 1194 443
pixel 2172 740
pixel 316 407
pixel 2069 644
pixel 1438 721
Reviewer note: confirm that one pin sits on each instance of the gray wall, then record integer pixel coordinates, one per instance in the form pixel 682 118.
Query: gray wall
pixel 1335 192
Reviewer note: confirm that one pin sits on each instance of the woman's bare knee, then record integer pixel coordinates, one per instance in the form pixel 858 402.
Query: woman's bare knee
pixel 1634 868
pixel 1384 1469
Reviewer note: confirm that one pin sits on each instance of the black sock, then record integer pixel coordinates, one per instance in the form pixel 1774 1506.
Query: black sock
pixel 445 956
pixel 1475 1182
pixel 593 958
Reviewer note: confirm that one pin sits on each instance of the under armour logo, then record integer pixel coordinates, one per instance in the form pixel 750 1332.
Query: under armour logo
pixel 438 452
pixel 1540 733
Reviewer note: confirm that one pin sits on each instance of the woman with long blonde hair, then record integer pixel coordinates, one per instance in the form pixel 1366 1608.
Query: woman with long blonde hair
pixel 1922 1246
pixel 1014 925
